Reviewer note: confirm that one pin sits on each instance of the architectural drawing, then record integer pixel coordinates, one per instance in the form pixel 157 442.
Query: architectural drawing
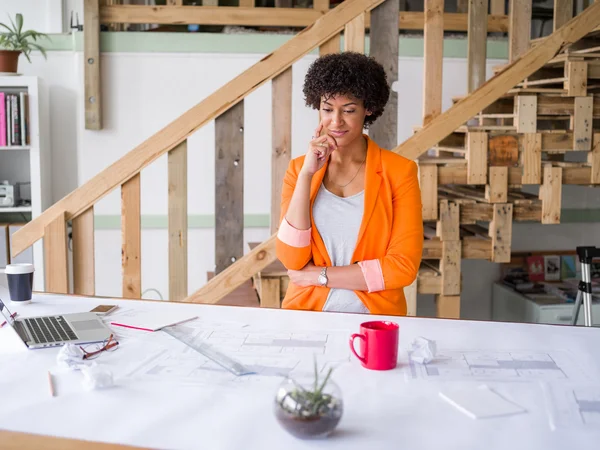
pixel 519 365
pixel 268 354
pixel 573 406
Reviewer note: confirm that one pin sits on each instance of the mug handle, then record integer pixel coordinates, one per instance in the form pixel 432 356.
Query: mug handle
pixel 359 336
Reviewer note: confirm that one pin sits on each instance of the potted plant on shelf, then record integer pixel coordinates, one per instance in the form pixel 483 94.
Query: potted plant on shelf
pixel 14 41
pixel 308 408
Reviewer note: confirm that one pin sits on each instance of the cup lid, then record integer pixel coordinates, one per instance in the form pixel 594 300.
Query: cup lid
pixel 18 269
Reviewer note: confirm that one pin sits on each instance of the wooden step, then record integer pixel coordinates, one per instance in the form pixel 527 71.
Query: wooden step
pixel 245 295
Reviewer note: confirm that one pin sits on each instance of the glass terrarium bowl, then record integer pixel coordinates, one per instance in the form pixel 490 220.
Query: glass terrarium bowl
pixel 308 410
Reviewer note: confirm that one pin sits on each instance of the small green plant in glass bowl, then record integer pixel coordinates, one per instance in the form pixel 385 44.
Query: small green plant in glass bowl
pixel 307 407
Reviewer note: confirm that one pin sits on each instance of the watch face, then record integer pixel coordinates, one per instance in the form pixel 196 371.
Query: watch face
pixel 322 279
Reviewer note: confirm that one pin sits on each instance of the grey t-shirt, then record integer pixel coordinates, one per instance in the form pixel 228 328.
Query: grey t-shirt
pixel 338 222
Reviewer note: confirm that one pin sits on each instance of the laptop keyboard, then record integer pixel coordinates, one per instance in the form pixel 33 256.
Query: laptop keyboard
pixel 50 329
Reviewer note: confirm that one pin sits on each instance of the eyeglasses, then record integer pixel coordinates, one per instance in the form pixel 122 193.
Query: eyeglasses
pixel 108 344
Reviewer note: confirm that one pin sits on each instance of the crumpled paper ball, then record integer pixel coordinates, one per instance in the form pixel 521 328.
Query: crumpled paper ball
pixel 96 377
pixel 70 357
pixel 423 350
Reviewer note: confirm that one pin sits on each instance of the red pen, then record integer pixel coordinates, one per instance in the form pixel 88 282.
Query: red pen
pixel 12 316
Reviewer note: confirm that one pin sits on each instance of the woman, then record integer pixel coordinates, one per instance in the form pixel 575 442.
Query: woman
pixel 351 232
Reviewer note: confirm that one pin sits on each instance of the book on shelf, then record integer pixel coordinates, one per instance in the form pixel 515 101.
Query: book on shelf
pixel 552 267
pixel 14 119
pixel 536 268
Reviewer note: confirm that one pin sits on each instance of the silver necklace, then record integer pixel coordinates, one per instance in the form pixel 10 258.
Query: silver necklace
pixel 355 175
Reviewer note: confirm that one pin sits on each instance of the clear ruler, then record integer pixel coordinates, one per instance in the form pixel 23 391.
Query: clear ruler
pixel 208 350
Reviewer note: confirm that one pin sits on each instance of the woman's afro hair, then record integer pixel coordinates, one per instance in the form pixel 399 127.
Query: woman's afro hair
pixel 348 73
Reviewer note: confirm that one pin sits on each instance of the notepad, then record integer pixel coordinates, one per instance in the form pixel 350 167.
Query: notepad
pixel 480 402
pixel 153 320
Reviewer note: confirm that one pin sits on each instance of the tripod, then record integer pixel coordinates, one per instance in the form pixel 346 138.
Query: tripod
pixel 585 254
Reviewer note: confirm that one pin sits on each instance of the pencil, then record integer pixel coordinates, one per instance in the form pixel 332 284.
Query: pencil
pixel 51 384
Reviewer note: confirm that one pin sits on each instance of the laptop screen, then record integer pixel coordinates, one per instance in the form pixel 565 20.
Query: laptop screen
pixel 8 316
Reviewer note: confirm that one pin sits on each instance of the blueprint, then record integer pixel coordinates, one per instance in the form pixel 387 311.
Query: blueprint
pixel 518 365
pixel 573 406
pixel 266 353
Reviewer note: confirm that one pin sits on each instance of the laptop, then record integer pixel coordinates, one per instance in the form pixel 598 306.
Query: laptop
pixel 56 330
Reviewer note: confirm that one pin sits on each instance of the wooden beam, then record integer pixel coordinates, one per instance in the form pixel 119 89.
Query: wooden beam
pixel 497 8
pixel 477 153
pixel 295 17
pixel 83 254
pixel 281 132
pixel 321 5
pixel 447 306
pixel 178 222
pixel 229 187
pixel 428 178
pixel 525 117
pixel 470 248
pixel 177 131
pixel 131 236
pixel 55 256
pixel 531 158
pixel 450 267
pixel 495 87
pixel 570 175
pixel 244 3
pixel 519 29
pixel 551 195
pixel 501 232
pixel 503 150
pixel 331 46
pixel 582 123
pixel 354 35
pixel 235 275
pixel 384 48
pixel 497 189
pixel 91 65
pixel 576 74
pixel 594 160
pixel 413 20
pixel 429 284
pixel 433 60
pixel 270 292
pixel 476 44
pixel 563 12
pixel 562 106
pixel 448 227
pixel 211 15
pixel 410 293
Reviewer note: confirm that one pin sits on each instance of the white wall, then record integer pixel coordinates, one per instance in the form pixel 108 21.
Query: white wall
pixel 44 16
pixel 144 92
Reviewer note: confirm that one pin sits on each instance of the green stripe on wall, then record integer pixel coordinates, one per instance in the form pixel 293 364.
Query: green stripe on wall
pixel 113 222
pixel 148 42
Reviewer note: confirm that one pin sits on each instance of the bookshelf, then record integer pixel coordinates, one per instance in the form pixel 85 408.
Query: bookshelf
pixel 27 163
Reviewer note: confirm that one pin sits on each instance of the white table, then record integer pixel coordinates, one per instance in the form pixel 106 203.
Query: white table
pixel 382 409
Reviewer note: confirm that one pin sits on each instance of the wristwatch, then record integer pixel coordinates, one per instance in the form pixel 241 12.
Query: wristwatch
pixel 323 277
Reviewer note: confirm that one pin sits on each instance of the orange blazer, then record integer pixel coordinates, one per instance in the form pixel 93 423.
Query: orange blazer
pixel 390 240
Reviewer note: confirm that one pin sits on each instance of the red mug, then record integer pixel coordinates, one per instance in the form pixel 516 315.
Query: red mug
pixel 378 345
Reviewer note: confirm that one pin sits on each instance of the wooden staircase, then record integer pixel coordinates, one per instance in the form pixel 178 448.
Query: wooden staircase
pixel 459 190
